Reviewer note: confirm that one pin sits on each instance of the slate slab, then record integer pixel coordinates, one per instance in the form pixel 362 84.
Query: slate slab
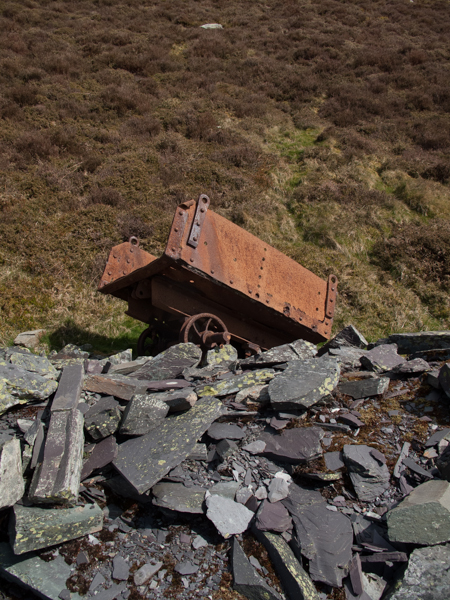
pixel 228 516
pixel 103 454
pixel 299 497
pixel 224 356
pixel 423 517
pixel 32 528
pixel 325 538
pixel 347 337
pixel 412 367
pixel 170 363
pixel 57 477
pixel 226 431
pixel 273 516
pixel 297 445
pixel 69 389
pixel 177 496
pixel 348 358
pixel 128 367
pixel 143 413
pixel 121 569
pixel 227 489
pixel 25 385
pixel 333 460
pixel 45 579
pixel 12 485
pixel 7 400
pixel 427 575
pixel 235 384
pixel 424 340
pixel 382 358
pixel 444 379
pixel 246 580
pixel 119 386
pixel 297 350
pixel 34 364
pixel 364 388
pixel 29 339
pixel 145 460
pixel 103 418
pixel 146 572
pixel 178 400
pixel 293 577
pixel 367 470
pixel 304 383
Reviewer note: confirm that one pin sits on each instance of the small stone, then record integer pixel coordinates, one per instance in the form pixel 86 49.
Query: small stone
pixel 298 350
pixel 146 572
pixel 229 517
pixel 12 485
pixel 103 418
pixel 278 489
pixel 382 358
pixel 199 542
pixel 235 384
pixel 444 378
pixel 97 581
pixel 227 489
pixel 103 453
pixel 333 460
pixel 211 26
pixel 186 568
pixel 365 388
pixel 273 517
pixel 412 367
pixel 64 594
pixel 222 431
pixel 29 339
pixel 349 337
pixel 175 496
pixel 121 568
pixel 143 413
pixel 293 445
pixel 368 472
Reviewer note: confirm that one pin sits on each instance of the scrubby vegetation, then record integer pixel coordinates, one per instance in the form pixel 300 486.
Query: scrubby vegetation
pixel 322 127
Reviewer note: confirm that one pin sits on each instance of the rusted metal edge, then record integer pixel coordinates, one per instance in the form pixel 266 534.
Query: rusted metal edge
pixel 199 218
pixel 331 296
pixel 123 260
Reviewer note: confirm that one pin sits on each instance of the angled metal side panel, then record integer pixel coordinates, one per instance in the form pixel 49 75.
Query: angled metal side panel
pixel 123 260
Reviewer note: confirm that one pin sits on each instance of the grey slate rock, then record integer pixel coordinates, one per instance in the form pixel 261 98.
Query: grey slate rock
pixel 297 350
pixel 145 460
pixel 12 485
pixel 227 489
pixel 34 364
pixel 412 367
pixel 364 388
pixel 423 517
pixel 427 576
pixel 45 579
pixel 246 580
pixel 228 516
pixel 226 448
pixel 177 496
pixel 273 516
pixel 333 460
pixel 103 454
pixel 226 431
pixel 69 389
pixel 351 420
pixel 170 363
pixel 297 445
pixel 23 385
pixel 293 577
pixel 29 339
pixel 186 568
pixel 103 418
pixel 367 470
pixel 142 414
pixel 444 379
pixel 437 437
pixel 178 400
pixel 32 528
pixel 382 358
pixel 224 356
pixel 424 340
pixel 304 383
pixel 347 337
pixel 118 386
pixel 146 572
pixel 348 358
pixel 127 367
pixel 64 594
pixel 121 569
pixel 97 581
pixel 235 384
pixel 57 478
pixel 442 463
pixel 278 489
pixel 299 497
pixel 112 592
pixel 326 539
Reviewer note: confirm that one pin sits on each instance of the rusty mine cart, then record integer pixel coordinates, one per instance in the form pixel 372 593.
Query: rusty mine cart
pixel 217 283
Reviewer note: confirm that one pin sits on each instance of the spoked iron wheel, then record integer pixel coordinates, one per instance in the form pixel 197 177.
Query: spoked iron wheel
pixel 205 330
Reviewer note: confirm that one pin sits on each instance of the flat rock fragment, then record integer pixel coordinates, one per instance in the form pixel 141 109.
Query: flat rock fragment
pixel 7 400
pixel 143 413
pixel 293 577
pixel 103 418
pixel 178 400
pixel 103 454
pixel 427 576
pixel 333 460
pixel 228 516
pixel 170 363
pixel 226 431
pixel 444 378
pixel 424 340
pixel 349 337
pixel 235 384
pixel 224 356
pixel 115 385
pixel 412 367
pixel 300 444
pixel 423 517
pixel 297 350
pixel 365 388
pixel 121 569
pixel 382 358
pixel 326 539
pixel 57 477
pixel 246 580
pixel 348 358
pixel 278 489
pixel 32 528
pixel 177 496
pixel 45 579
pixel 34 364
pixel 299 497
pixel 12 485
pixel 304 383
pixel 25 385
pixel 146 572
pixel 29 339
pixel 273 516
pixel 145 460
pixel 367 469
pixel 69 389
pixel 227 489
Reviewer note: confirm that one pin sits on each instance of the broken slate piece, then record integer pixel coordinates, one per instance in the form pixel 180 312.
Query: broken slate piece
pixel 34 364
pixel 57 477
pixel 444 378
pixel 128 367
pixel 348 358
pixel 382 358
pixel 103 454
pixel 423 517
pixel 112 592
pixel 176 496
pixel 32 528
pixel 29 339
pixel 170 363
pixel 227 489
pixel 69 388
pixel 146 572
pixel 299 497
pixel 178 400
pixel 118 386
pixel 424 340
pixel 349 337
pixel 121 569
pixel 45 579
pixel 228 516
pixel 297 350
pixel 304 383
pixel 273 517
pixel 293 577
pixel 351 420
pixel 24 385
pixel 7 400
pixel 326 539
pixel 412 367
pixel 200 452
pixel 235 384
pixel 12 485
pixel 224 356
pixel 278 489
pixel 442 463
pixel 145 460
pixel 246 580
pixel 413 466
pixel 369 475
pixel 103 418
pixel 333 460
pixel 365 388
pixel 226 431
pixel 293 445
pixel 437 437
pixel 142 414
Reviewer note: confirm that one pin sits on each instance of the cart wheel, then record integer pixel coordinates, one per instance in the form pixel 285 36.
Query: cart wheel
pixel 205 330
pixel 149 342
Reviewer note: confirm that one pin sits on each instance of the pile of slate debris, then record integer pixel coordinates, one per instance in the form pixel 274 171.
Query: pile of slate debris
pixel 295 473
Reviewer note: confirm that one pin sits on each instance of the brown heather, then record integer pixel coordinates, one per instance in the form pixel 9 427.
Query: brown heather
pixel 322 127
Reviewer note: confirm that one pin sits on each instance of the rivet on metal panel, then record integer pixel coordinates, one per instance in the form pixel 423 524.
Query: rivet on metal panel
pixel 257 295
pixel 124 272
pixel 131 250
pixel 173 249
pixel 109 272
pixel 128 260
pixel 176 231
pixel 202 210
pixel 192 260
pixel 180 213
pixel 267 302
pixel 212 271
pixel 249 291
pixel 264 258
pixel 231 281
pixel 195 238
pixel 114 255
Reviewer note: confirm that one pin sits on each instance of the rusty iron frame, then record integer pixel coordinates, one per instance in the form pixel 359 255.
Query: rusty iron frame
pixel 212 265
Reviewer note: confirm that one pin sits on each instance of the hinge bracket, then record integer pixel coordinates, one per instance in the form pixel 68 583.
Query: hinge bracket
pixel 331 296
pixel 200 215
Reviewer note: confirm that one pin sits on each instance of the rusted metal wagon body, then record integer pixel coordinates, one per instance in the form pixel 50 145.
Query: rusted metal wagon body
pixel 216 281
